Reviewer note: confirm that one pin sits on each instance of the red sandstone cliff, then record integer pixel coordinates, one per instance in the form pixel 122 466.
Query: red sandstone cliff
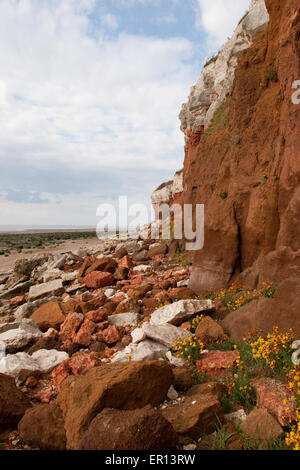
pixel 245 165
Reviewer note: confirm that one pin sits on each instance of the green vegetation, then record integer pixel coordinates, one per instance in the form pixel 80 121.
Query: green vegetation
pixel 224 195
pixel 19 242
pixel 244 16
pixel 163 185
pixel 236 297
pixel 220 119
pixel 271 74
pixel 211 60
pixel 236 138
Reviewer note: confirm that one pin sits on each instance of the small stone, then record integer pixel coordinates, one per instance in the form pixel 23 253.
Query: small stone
pixel 216 363
pixel 183 379
pixel 97 279
pixel 124 319
pixel 138 335
pixel 190 447
pixel 180 311
pixel 172 394
pixel 237 417
pixel 260 425
pixel 209 329
pixel 129 430
pixel 111 335
pixel 48 316
pixel 46 289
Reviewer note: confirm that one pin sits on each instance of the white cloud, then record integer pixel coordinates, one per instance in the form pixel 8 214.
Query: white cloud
pixel 80 103
pixel 219 18
pixel 167 19
pixel 110 21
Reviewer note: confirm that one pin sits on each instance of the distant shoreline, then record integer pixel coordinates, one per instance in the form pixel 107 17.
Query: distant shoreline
pixel 49 230
pixel 20 231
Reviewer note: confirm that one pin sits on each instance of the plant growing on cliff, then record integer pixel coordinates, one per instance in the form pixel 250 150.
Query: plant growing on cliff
pixel 163 185
pixel 211 60
pixel 220 119
pixel 271 74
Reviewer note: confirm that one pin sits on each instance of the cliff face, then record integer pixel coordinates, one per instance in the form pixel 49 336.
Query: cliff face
pixel 217 77
pixel 168 193
pixel 242 152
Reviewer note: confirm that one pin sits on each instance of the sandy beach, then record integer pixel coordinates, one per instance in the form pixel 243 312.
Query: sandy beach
pixel 7 262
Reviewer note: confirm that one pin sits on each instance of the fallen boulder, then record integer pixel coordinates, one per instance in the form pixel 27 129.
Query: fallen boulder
pixel 98 279
pixel 13 403
pixel 180 311
pixel 16 335
pixel 195 417
pixel 274 396
pixel 48 316
pixel 122 386
pixel 129 430
pixel 25 267
pixel 216 363
pixel 42 427
pixel 209 329
pixel 167 334
pixel 47 288
pixel 21 363
pixel 260 425
pixel 124 319
pixel 144 351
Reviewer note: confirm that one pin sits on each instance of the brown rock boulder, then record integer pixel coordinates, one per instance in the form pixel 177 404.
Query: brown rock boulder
pixel 84 334
pixel 162 249
pixel 209 329
pixel 70 306
pixel 214 389
pixel 121 273
pixel 13 403
pixel 84 307
pixel 110 307
pixel 195 417
pixel 97 316
pixel 85 265
pixel 275 397
pixel 44 342
pixel 140 256
pixel 173 247
pixel 122 386
pixel 104 264
pixel 48 316
pixel 263 314
pixel 182 293
pixel 70 326
pixel 139 292
pixel 126 262
pixel 110 335
pixel 183 379
pixel 216 363
pixel 43 427
pixel 129 305
pixel 141 429
pixel 97 279
pixel 98 301
pixel 260 425
pixel 120 253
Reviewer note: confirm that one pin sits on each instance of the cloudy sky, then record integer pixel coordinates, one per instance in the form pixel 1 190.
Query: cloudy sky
pixel 90 92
